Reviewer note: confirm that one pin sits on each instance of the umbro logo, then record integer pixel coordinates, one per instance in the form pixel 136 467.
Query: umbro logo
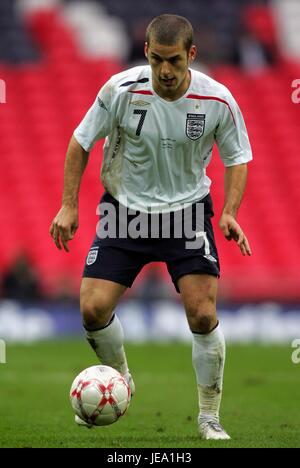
pixel 101 104
pixel 140 103
pixel 210 257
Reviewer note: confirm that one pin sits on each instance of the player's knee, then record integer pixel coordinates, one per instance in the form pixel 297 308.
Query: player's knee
pixel 96 311
pixel 205 322
pixel 202 322
pixel 202 316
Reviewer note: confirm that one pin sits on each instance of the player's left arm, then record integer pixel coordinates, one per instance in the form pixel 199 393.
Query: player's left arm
pixel 235 183
pixel 232 139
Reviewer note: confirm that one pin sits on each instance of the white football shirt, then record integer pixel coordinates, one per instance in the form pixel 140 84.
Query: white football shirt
pixel 156 151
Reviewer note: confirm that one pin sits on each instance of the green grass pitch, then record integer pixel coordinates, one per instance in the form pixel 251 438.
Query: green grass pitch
pixel 260 400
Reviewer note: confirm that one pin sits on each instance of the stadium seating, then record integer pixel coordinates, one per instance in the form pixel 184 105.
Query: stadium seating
pixel 15 45
pixel 46 99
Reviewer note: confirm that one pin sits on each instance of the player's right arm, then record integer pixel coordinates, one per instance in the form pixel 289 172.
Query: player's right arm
pixel 65 223
pixel 97 123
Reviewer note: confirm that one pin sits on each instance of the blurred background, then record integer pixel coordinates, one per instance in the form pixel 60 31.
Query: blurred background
pixel 54 57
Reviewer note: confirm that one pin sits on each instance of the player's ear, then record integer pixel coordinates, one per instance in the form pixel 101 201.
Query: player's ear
pixel 192 54
pixel 146 49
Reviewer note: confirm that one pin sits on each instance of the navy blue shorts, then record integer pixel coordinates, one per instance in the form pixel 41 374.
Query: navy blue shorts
pixel 120 259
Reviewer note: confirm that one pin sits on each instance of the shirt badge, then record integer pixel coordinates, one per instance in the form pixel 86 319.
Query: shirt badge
pixel 195 125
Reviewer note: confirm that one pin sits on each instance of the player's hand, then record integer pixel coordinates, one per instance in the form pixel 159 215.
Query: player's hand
pixel 232 230
pixel 64 226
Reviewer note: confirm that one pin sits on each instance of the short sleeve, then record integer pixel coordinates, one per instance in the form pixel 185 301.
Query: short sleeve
pixel 98 121
pixel 231 134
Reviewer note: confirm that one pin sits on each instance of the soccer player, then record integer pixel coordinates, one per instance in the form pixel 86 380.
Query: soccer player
pixel 160 122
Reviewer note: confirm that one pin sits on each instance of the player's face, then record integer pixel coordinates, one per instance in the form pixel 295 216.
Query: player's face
pixel 170 68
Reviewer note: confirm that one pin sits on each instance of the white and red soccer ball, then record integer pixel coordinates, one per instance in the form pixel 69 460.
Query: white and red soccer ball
pixel 100 395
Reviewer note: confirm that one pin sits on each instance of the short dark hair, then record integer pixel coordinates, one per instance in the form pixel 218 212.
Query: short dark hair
pixel 169 29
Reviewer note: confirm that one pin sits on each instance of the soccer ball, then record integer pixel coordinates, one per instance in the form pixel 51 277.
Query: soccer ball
pixel 100 395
